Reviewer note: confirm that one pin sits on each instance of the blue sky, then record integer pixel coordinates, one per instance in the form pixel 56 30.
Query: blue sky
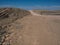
pixel 31 4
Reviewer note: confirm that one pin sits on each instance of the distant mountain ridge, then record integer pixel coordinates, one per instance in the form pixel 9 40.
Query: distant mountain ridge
pixel 47 12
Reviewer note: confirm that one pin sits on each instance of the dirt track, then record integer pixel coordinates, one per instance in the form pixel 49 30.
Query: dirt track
pixel 41 30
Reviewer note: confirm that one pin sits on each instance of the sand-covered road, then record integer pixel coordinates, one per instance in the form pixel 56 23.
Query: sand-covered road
pixel 33 13
pixel 36 30
pixel 41 30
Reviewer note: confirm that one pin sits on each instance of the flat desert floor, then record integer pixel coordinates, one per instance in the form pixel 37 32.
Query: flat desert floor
pixel 39 30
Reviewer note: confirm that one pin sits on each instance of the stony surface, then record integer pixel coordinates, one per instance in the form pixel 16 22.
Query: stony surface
pixel 8 16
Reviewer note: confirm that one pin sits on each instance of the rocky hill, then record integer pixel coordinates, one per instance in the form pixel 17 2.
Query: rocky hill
pixel 7 17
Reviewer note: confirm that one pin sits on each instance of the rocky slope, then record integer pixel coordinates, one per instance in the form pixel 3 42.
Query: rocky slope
pixel 7 18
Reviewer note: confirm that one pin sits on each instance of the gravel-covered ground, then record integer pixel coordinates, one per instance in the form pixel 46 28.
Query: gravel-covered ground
pixel 7 18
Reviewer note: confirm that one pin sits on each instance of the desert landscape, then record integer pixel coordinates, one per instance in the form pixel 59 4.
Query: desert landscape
pixel 28 27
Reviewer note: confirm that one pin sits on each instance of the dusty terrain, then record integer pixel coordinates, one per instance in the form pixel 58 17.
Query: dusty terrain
pixel 43 30
pixel 34 29
pixel 38 30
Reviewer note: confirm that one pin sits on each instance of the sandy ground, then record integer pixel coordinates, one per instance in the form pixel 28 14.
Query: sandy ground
pixel 39 30
pixel 36 30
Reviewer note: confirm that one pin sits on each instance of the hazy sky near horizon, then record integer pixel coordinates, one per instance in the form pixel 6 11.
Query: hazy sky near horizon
pixel 31 4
